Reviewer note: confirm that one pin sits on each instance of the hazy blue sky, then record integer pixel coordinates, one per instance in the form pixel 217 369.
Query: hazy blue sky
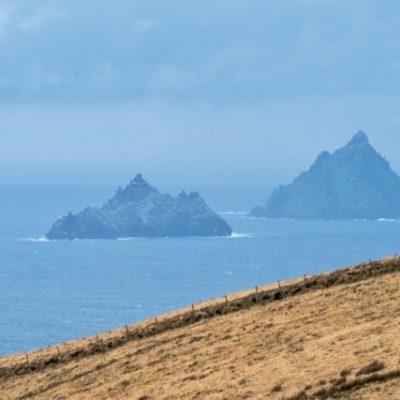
pixel 214 92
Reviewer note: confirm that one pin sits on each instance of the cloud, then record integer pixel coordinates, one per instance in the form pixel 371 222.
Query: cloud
pixel 176 79
pixel 41 16
pixel 17 17
pixel 5 19
pixel 134 49
pixel 143 24
pixel 105 76
pixel 6 82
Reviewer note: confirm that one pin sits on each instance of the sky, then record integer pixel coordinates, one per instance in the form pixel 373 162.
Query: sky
pixel 213 92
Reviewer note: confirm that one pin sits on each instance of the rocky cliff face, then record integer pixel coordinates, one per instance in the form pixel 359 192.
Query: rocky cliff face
pixel 140 210
pixel 353 182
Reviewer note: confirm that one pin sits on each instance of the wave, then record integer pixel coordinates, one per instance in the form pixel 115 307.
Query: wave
pixel 241 213
pixel 37 239
pixel 387 220
pixel 234 235
pixel 239 235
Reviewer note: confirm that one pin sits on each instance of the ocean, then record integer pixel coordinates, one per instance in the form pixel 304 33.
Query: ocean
pixel 51 292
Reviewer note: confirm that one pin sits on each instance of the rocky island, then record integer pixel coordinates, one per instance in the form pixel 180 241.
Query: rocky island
pixel 140 210
pixel 353 182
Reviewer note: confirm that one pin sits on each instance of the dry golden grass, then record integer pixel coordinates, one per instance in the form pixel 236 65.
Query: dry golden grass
pixel 335 337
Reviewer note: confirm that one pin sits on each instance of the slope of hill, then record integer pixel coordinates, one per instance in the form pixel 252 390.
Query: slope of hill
pixel 329 336
pixel 353 182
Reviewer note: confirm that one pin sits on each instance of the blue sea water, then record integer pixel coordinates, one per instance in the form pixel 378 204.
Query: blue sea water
pixel 52 292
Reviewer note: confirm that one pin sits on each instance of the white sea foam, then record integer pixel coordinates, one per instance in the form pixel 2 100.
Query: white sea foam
pixel 39 239
pixel 234 235
pixel 242 213
pixel 239 235
pixel 387 220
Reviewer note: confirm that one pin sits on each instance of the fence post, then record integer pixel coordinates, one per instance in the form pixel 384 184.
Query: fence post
pixel 279 284
pixel 257 289
pixel 226 299
pixel 27 358
pixel 58 351
pixel 193 308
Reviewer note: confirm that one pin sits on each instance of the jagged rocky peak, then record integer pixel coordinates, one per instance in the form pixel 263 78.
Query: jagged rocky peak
pixel 355 181
pixel 360 138
pixel 183 195
pixel 138 181
pixel 189 197
pixel 322 157
pixel 138 184
pixel 137 190
pixel 140 210
pixel 194 195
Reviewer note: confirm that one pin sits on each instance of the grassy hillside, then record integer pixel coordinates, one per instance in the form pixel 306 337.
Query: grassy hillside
pixel 334 335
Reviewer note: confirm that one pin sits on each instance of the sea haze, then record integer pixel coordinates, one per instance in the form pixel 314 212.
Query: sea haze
pixel 51 292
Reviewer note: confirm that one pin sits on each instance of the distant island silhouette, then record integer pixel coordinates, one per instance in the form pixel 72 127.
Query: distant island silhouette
pixel 353 182
pixel 140 210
